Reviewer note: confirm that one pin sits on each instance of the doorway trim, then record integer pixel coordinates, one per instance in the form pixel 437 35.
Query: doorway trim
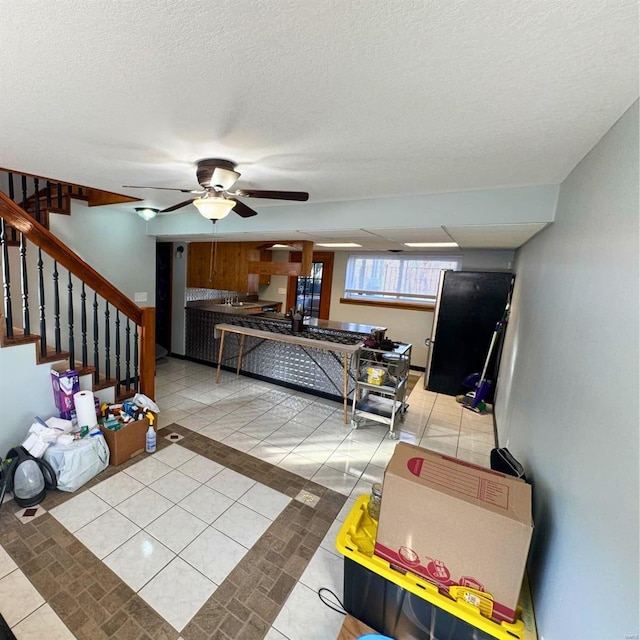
pixel 326 257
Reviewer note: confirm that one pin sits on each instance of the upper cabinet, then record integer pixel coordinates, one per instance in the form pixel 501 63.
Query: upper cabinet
pixel 222 265
pixel 241 266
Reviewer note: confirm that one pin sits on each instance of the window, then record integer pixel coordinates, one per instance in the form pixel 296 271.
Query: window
pixel 409 279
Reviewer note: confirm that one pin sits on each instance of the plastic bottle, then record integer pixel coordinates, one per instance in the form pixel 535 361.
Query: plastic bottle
pixel 151 440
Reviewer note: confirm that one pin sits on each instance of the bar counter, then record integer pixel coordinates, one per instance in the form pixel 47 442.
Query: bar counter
pixel 300 364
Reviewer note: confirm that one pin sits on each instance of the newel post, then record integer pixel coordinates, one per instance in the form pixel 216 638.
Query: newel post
pixel 148 352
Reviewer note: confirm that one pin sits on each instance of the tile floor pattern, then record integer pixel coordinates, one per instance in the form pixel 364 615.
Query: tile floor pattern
pixel 172 526
pixel 147 531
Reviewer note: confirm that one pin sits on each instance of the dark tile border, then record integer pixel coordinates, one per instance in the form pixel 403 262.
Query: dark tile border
pixel 247 602
pixel 95 603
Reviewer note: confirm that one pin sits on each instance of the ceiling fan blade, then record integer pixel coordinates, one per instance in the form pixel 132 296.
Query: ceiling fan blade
pixel 130 186
pixel 301 196
pixel 242 210
pixel 178 206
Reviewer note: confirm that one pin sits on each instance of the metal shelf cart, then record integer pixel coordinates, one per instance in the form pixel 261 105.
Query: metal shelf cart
pixel 381 386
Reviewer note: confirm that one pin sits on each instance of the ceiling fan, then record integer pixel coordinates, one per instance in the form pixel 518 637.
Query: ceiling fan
pixel 214 200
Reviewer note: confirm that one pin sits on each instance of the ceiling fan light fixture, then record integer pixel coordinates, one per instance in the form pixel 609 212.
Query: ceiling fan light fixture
pixel 214 208
pixel 147 213
pixel 224 178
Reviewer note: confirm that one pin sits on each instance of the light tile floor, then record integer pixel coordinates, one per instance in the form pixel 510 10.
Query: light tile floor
pixel 307 436
pixel 175 538
pixel 174 525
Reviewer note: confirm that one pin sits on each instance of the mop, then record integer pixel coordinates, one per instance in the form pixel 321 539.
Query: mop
pixel 478 382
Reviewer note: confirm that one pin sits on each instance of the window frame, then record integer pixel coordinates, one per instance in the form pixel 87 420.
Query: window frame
pixel 417 302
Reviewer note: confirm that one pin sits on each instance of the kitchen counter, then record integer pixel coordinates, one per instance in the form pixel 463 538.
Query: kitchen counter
pixel 307 367
pixel 351 327
pixel 245 307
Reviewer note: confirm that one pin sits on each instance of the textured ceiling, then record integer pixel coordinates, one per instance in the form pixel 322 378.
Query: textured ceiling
pixel 347 100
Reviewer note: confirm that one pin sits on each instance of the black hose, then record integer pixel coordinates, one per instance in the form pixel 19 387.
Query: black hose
pixel 4 480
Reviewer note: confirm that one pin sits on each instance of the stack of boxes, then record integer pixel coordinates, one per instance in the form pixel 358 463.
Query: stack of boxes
pixel 447 555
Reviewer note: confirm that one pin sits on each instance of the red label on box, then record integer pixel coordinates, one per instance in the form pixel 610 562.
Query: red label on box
pixel 461 481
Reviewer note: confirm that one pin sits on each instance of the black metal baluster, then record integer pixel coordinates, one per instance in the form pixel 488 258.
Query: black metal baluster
pixel 56 308
pixel 127 356
pixel 36 187
pixel 136 382
pixel 117 354
pixel 96 337
pixel 83 326
pixel 24 281
pixel 6 279
pixel 72 348
pixel 48 192
pixel 107 342
pixel 43 324
pixel 24 193
pixel 59 196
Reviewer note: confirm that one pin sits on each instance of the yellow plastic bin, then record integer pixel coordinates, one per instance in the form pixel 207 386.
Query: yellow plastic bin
pixel 406 607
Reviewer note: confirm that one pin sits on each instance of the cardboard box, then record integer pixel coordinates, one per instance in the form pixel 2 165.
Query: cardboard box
pixel 455 523
pixel 128 441
pixel 65 384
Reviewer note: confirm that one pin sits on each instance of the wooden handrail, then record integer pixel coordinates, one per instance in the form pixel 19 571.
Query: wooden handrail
pixel 94 197
pixel 42 237
pixel 148 352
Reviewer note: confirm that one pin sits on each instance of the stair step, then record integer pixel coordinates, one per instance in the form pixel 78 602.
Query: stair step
pixel 104 383
pixel 125 395
pixel 82 371
pixel 52 356
pixel 33 338
pixel 19 338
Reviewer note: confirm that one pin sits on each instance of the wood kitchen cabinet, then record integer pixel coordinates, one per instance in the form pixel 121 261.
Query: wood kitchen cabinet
pixel 222 265
pixel 265 256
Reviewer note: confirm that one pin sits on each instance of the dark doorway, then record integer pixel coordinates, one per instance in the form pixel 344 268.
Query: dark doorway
pixel 164 268
pixel 313 293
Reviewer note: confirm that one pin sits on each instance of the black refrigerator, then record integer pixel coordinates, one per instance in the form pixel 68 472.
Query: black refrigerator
pixel 468 306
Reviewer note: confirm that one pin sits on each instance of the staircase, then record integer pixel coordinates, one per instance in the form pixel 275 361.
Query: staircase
pixel 40 197
pixel 83 321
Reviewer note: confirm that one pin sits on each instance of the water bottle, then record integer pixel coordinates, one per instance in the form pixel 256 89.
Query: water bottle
pixel 151 440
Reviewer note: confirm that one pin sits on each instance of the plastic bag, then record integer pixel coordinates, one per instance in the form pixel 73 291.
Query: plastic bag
pixel 375 375
pixel 145 402
pixel 78 462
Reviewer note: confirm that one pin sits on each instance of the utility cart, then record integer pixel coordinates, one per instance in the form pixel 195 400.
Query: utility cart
pixel 381 385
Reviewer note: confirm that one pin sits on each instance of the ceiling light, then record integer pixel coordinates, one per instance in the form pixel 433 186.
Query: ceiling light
pixel 280 246
pixel 338 245
pixel 431 244
pixel 214 208
pixel 146 213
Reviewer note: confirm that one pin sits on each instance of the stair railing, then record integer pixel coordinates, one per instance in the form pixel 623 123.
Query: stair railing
pixel 139 350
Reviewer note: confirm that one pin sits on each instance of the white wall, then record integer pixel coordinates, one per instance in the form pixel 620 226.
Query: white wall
pixel 25 391
pixel 114 242
pixel 568 395
pixel 489 206
pixel 488 260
